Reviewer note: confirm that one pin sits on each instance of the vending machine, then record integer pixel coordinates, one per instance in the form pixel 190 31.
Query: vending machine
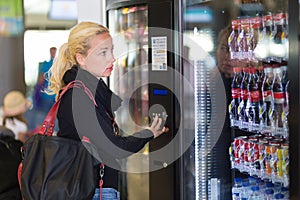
pixel 145 78
pixel 246 83
pixel 224 77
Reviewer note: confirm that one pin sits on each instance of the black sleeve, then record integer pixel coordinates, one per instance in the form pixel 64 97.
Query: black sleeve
pixel 96 125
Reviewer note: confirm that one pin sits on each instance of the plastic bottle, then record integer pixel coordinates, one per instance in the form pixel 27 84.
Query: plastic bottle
pixel 259 51
pixel 233 39
pixel 279 99
pixel 256 194
pixel 285 83
pixel 277 187
pixel 237 188
pixel 246 190
pixel 252 107
pixel 245 40
pixel 278 39
pixel 244 98
pixel 269 194
pixel 285 192
pixel 267 96
pixel 280 196
pixel 270 185
pixel 263 49
pixel 252 181
pixel 261 75
pixel 236 95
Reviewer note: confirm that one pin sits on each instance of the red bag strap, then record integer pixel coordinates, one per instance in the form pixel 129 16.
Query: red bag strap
pixel 49 121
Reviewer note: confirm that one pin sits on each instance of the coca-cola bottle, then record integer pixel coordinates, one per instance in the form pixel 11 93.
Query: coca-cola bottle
pixel 285 82
pixel 236 95
pixel 261 38
pixel 278 39
pixel 261 74
pixel 233 39
pixel 268 101
pixel 263 50
pixel 279 100
pixel 245 40
pixel 255 36
pixel 243 118
pixel 252 108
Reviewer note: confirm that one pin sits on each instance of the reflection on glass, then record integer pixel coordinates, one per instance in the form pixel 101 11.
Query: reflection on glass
pixel 131 51
pixel 129 29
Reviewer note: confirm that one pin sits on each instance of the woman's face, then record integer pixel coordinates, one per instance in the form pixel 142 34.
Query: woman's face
pixel 225 64
pixel 99 60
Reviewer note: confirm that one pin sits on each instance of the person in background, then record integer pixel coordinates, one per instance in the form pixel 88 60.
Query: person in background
pixel 221 83
pixel 224 63
pixel 10 158
pixel 88 57
pixel 41 100
pixel 14 106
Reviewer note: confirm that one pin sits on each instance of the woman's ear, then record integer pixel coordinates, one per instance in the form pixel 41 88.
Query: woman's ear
pixel 80 59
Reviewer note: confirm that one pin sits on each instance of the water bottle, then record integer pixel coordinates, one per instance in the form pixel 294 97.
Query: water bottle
pixel 252 181
pixel 270 185
pixel 269 194
pixel 246 190
pixel 256 194
pixel 236 189
pixel 285 192
pixel 277 187
pixel 280 196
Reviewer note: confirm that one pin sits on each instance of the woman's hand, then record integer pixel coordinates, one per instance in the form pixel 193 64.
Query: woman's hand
pixel 156 127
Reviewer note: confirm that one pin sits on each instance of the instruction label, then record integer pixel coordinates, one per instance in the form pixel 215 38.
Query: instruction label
pixel 159 53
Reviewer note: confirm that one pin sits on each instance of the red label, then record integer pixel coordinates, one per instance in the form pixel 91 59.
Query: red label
pixel 267 95
pixel 279 97
pixel 235 93
pixel 255 96
pixel 244 94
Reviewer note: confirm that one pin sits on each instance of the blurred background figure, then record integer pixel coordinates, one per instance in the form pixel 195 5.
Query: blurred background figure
pixel 14 106
pixel 224 63
pixel 41 100
pixel 10 158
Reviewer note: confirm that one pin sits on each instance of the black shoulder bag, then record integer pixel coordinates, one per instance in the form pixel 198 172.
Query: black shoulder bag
pixel 55 167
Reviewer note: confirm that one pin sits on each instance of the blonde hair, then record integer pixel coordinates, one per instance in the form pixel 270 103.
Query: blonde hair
pixel 78 43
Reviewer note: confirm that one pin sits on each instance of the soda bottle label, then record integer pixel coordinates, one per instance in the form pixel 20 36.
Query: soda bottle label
pixel 267 95
pixel 279 97
pixel 244 94
pixel 235 93
pixel 255 96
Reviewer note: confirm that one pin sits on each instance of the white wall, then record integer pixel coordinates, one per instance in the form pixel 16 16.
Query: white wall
pixel 91 10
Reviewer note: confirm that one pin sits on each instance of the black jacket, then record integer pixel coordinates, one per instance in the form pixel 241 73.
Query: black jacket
pixel 10 158
pixel 78 117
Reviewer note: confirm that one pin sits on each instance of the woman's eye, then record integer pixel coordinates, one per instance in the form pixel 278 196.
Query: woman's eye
pixel 103 53
pixel 224 48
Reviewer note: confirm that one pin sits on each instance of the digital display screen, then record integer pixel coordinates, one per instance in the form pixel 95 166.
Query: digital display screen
pixel 160 92
pixel 63 10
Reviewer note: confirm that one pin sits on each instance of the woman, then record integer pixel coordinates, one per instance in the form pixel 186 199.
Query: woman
pixel 14 106
pixel 88 56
